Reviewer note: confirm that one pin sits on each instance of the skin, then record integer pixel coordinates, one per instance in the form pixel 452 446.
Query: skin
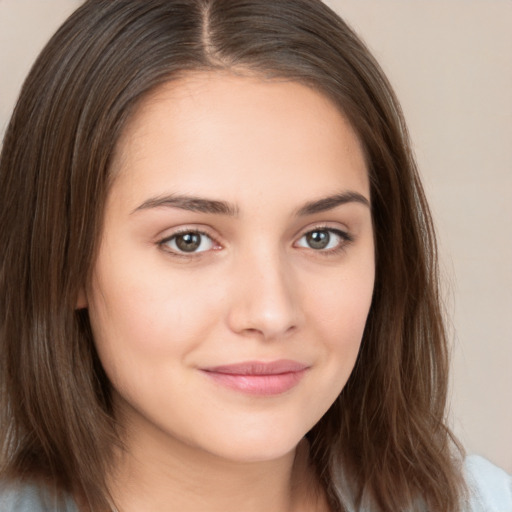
pixel 254 290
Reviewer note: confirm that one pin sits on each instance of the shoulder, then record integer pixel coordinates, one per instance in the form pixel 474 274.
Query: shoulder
pixel 31 498
pixel 490 487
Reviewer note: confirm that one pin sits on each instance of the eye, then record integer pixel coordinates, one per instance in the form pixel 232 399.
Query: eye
pixel 324 239
pixel 188 242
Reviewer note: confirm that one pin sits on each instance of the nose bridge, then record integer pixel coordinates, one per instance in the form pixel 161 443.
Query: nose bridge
pixel 265 298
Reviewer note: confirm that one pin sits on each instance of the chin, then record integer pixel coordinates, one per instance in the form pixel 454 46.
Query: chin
pixel 257 445
pixel 257 452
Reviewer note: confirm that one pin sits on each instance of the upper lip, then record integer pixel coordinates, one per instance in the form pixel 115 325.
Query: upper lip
pixel 259 368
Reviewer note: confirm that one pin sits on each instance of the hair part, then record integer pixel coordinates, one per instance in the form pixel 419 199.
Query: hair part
pixel 385 438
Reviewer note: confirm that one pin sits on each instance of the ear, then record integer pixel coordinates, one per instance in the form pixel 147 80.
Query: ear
pixel 81 301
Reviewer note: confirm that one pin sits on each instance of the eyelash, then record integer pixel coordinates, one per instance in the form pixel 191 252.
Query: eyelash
pixel 344 236
pixel 183 254
pixel 345 239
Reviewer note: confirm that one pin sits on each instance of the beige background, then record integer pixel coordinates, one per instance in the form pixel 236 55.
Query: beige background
pixel 451 64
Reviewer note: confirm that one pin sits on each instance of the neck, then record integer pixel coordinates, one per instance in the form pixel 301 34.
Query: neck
pixel 181 477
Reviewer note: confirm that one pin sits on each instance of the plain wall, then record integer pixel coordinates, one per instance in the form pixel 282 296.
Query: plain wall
pixel 451 64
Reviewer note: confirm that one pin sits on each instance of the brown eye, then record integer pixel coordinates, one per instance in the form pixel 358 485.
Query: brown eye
pixel 325 239
pixel 188 242
pixel 318 239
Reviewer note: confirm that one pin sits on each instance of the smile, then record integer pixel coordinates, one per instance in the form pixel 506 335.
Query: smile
pixel 258 378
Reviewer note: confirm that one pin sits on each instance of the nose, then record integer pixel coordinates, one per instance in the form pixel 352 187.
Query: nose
pixel 265 299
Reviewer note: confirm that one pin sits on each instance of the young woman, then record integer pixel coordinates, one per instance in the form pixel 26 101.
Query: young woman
pixel 218 276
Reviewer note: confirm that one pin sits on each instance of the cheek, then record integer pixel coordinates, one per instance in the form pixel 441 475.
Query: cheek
pixel 340 314
pixel 337 313
pixel 145 316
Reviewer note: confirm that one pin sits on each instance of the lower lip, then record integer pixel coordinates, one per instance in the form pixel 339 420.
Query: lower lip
pixel 263 385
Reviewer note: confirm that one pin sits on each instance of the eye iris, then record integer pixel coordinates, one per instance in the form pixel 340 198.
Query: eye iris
pixel 188 242
pixel 318 239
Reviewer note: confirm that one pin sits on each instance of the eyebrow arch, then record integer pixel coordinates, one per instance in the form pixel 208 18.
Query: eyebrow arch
pixel 203 205
pixel 190 203
pixel 331 202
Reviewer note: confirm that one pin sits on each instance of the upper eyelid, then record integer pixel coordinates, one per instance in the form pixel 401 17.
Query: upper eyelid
pixel 345 239
pixel 181 231
pixel 162 241
pixel 342 233
pixel 324 227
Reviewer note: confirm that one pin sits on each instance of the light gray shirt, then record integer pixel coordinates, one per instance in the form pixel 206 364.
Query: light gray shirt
pixel 490 487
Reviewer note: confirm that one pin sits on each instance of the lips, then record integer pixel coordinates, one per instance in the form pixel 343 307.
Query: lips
pixel 258 378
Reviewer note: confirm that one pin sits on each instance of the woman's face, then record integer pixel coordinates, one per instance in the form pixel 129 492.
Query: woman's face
pixel 236 265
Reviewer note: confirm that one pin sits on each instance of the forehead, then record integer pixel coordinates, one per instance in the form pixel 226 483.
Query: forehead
pixel 216 132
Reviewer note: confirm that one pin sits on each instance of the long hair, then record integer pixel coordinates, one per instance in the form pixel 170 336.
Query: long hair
pixel 384 442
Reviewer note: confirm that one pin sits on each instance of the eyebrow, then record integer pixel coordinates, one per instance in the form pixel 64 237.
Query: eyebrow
pixel 203 205
pixel 190 203
pixel 329 203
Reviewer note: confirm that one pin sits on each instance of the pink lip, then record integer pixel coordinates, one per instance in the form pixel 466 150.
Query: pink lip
pixel 259 378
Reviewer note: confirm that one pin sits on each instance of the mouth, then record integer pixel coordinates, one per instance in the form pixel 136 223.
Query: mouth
pixel 258 378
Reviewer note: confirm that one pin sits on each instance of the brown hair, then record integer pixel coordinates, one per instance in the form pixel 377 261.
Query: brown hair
pixel 385 438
